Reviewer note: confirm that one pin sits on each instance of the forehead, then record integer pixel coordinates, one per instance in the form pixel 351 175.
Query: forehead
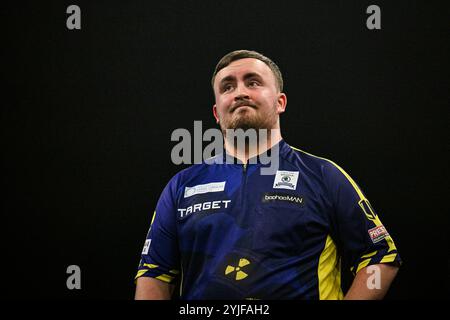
pixel 244 66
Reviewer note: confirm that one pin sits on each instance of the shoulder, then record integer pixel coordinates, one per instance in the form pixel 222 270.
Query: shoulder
pixel 189 175
pixel 329 171
pixel 314 163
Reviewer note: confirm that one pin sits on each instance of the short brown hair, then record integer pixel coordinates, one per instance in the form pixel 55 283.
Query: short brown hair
pixel 242 54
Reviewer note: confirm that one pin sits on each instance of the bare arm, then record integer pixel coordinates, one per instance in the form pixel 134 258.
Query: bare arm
pixel 366 286
pixel 153 289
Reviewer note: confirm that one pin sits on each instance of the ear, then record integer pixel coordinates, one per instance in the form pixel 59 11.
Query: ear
pixel 281 103
pixel 216 116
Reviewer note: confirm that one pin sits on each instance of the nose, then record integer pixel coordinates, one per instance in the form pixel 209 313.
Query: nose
pixel 241 93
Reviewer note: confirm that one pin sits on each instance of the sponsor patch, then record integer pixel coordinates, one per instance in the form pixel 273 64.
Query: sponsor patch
pixel 378 233
pixel 204 207
pixel 204 188
pixel 146 246
pixel 285 180
pixel 284 197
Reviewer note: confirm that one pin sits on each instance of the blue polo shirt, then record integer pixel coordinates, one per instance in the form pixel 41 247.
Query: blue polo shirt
pixel 226 231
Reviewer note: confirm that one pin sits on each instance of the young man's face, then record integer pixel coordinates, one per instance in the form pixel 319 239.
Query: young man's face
pixel 247 96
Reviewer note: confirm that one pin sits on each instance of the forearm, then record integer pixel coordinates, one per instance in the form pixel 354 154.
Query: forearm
pixel 372 283
pixel 152 289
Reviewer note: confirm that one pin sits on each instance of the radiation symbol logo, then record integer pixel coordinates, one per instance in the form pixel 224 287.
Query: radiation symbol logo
pixel 239 274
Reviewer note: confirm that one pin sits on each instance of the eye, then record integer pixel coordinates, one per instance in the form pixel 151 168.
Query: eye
pixel 253 83
pixel 227 87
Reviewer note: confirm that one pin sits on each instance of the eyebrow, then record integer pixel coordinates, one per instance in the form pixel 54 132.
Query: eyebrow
pixel 246 77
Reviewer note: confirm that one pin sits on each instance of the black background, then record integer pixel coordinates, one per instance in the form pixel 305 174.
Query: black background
pixel 87 115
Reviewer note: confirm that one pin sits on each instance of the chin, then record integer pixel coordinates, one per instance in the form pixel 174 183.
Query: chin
pixel 246 124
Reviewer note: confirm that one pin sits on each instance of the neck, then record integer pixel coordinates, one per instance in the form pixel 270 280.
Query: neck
pixel 246 148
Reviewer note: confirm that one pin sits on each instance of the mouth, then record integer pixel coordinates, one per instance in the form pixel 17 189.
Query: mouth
pixel 243 106
pixel 239 105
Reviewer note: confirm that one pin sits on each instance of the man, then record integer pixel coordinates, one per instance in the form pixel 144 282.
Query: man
pixel 226 231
